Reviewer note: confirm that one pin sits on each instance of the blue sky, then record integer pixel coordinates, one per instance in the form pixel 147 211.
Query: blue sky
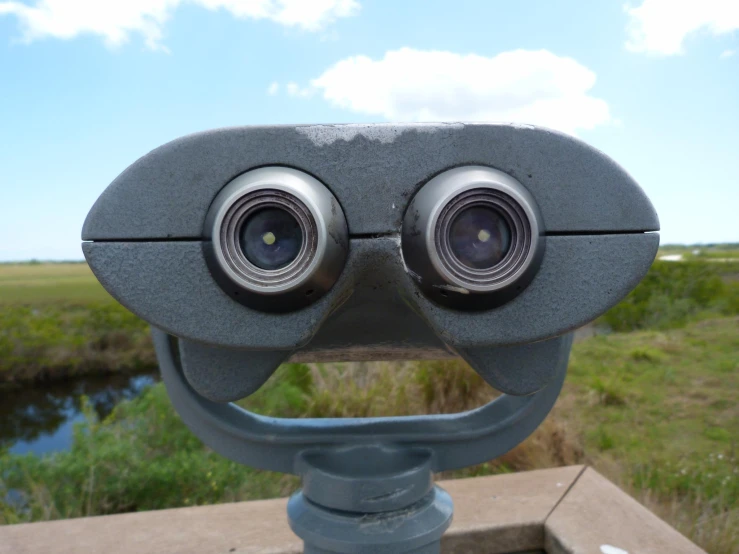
pixel 88 86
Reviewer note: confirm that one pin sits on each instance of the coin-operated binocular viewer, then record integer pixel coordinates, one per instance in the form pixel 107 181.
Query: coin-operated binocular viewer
pixel 248 247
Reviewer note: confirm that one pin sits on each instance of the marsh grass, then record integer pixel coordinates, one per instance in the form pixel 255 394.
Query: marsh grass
pixel 57 321
pixel 709 522
pixel 655 412
pixel 710 252
pixel 374 389
pixel 42 284
pixel 60 341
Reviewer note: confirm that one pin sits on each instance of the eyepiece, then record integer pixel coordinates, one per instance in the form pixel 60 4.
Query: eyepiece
pixel 472 238
pixel 277 239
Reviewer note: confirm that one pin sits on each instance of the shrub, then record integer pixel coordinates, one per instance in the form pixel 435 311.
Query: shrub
pixel 674 293
pixel 56 341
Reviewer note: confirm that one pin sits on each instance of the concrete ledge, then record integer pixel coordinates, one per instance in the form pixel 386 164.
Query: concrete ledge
pixel 596 514
pixel 570 510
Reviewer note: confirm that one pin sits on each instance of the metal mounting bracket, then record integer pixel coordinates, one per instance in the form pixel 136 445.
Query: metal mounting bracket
pixel 367 482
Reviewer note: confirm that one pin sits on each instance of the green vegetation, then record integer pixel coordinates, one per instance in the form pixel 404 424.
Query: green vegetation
pixel 673 293
pixel 653 410
pixel 652 406
pixel 656 412
pixel 56 321
pixel 58 341
pixel 143 457
pixel 37 284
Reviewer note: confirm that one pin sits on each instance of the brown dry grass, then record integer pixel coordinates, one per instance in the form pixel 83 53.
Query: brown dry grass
pixel 372 389
pixel 445 386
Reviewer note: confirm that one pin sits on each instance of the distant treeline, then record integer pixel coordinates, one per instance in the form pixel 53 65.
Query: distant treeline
pixel 721 245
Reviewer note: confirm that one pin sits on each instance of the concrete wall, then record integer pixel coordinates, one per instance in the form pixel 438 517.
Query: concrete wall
pixel 570 510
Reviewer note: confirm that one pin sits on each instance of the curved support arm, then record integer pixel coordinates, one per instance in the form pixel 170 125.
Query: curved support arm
pixel 452 440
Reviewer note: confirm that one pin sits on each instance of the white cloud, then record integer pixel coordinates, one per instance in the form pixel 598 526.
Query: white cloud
pixel 116 20
pixel 661 26
pixel 412 85
pixel 273 88
pixel 293 89
pixel 727 54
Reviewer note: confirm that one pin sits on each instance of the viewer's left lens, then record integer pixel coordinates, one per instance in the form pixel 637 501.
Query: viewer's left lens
pixel 472 238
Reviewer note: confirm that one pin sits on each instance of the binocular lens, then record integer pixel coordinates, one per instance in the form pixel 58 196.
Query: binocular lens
pixel 471 238
pixel 271 238
pixel 479 237
pixel 277 239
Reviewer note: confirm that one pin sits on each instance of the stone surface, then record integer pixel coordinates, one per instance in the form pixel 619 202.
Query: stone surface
pixel 247 528
pixel 597 517
pixel 498 514
pixel 570 510
pixel 504 513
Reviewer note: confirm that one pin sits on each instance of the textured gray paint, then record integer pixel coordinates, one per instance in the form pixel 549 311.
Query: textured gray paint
pixel 373 170
pixel 451 440
pixel 224 375
pixel 374 479
pixel 168 284
pixel 521 369
pixel 579 279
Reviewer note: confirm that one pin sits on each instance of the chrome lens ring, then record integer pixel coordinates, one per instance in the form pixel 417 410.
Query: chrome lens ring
pixel 237 215
pixel 447 258
pixel 320 258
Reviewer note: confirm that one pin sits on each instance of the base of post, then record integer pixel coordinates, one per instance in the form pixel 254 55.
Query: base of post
pixel 430 549
pixel 414 529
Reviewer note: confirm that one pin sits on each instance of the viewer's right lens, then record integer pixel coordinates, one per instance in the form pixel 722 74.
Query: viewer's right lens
pixel 271 238
pixel 479 237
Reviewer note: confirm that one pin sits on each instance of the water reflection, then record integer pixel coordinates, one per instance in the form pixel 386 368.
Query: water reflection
pixel 40 419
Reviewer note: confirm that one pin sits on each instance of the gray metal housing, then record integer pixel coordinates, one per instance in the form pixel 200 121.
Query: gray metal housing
pixel 367 483
pixel 145 242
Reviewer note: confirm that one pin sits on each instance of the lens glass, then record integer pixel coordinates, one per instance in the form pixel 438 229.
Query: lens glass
pixel 271 238
pixel 479 237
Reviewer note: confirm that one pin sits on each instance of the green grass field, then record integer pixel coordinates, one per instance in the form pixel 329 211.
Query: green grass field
pixel 57 321
pixel 43 284
pixel 655 397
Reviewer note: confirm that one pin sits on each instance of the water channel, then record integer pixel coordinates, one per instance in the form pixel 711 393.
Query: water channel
pixel 40 419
